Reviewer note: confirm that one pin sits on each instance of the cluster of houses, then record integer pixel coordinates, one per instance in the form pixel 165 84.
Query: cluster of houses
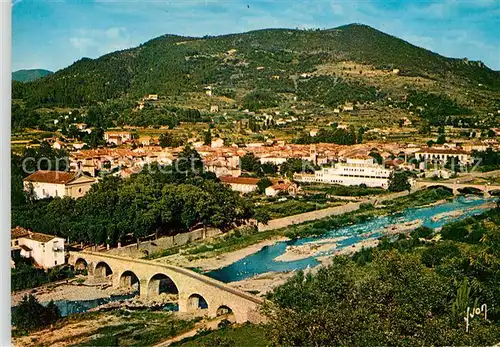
pixel 345 165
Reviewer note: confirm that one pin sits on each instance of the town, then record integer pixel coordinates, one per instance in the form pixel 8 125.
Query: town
pixel 275 187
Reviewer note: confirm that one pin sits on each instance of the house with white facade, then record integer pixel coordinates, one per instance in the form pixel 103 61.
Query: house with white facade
pixel 117 137
pixel 353 172
pixel 217 143
pixel 51 184
pixel 46 250
pixel 441 155
pixel 241 184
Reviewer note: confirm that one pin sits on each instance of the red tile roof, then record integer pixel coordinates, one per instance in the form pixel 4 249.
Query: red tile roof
pixel 19 232
pixel 442 151
pixel 56 177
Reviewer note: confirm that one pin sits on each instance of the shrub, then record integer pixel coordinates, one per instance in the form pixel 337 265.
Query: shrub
pixel 433 255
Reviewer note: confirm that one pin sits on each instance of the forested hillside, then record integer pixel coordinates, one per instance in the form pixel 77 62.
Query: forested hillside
pixel 268 60
pixel 29 75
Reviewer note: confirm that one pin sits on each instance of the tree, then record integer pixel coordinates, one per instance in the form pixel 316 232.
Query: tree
pixel 398 182
pixel 378 158
pixel 294 165
pixel 249 162
pixel 30 315
pixel 441 139
pixel 208 138
pixel 263 184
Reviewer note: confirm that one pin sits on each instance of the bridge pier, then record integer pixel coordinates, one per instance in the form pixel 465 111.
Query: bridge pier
pixel 143 289
pixel 183 303
pixel 193 291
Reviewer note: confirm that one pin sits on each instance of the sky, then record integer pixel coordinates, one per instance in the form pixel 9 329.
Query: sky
pixel 52 34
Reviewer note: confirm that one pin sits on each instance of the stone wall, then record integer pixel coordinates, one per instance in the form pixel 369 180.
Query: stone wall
pixel 324 213
pixel 162 243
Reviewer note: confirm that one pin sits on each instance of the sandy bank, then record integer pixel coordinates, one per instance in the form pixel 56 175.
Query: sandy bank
pixel 263 283
pixel 220 260
pixel 66 292
pixel 327 260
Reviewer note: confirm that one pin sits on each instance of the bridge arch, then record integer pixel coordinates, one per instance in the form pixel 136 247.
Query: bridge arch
pixel 80 264
pixel 161 283
pixel 102 270
pixel 494 192
pixel 470 190
pixel 224 310
pixel 196 302
pixel 439 186
pixel 128 279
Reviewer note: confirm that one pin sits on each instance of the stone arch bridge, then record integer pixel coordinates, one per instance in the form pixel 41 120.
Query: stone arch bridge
pixel 456 187
pixel 197 293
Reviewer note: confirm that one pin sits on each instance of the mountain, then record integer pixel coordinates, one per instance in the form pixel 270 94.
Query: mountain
pixel 270 60
pixel 30 75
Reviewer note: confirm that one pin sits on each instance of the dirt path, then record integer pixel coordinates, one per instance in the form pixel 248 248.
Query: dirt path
pixel 54 337
pixel 211 324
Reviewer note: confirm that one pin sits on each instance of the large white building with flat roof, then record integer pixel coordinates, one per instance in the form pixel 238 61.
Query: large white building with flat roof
pixel 353 172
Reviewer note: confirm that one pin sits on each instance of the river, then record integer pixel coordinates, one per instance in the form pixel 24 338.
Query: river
pixel 264 260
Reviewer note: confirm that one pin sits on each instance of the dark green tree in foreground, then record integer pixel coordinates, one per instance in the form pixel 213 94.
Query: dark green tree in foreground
pixel 30 315
pixel 398 182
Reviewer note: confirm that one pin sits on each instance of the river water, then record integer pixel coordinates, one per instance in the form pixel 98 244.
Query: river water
pixel 264 260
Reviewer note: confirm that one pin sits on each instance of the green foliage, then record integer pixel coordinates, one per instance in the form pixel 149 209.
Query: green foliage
pixel 381 296
pixel 459 305
pixel 169 140
pixel 487 160
pixel 26 275
pixel 433 255
pixel 340 190
pixel 258 99
pixel 422 232
pixel 378 158
pixel 165 66
pixel 435 108
pixel 335 91
pixel 29 75
pixel 30 315
pixel 161 200
pixel 398 182
pixel 295 165
pixel 246 335
pixel 250 163
pixel 263 184
pixel 338 136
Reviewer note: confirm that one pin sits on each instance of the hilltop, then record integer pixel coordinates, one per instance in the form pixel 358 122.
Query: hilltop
pixel 273 68
pixel 29 75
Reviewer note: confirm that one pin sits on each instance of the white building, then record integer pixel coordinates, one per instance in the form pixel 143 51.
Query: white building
pixel 441 155
pixel 217 143
pixel 117 137
pixel 46 250
pixel 351 173
pixel 282 186
pixel 58 144
pixel 241 184
pixel 47 184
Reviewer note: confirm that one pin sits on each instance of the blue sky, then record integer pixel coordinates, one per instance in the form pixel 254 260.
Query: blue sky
pixel 53 34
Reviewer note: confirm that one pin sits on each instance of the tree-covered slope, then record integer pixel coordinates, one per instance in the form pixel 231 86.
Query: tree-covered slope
pixel 264 59
pixel 29 75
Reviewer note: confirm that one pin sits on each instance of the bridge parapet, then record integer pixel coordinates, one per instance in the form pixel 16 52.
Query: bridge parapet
pixel 150 276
